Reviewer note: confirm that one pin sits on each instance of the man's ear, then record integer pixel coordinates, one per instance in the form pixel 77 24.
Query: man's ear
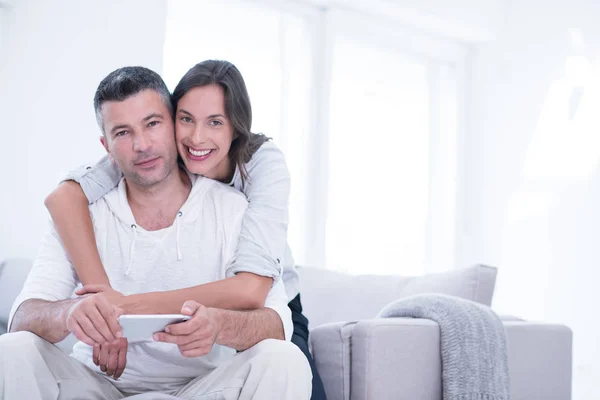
pixel 105 144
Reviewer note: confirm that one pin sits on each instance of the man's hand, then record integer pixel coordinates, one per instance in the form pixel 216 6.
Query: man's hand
pixel 93 320
pixel 112 358
pixel 196 337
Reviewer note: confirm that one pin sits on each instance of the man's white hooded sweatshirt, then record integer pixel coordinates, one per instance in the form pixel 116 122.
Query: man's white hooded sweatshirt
pixel 199 247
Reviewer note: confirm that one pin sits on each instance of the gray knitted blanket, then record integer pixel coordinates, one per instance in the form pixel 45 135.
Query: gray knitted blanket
pixel 473 344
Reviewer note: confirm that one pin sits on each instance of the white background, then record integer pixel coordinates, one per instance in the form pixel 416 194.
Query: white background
pixel 527 184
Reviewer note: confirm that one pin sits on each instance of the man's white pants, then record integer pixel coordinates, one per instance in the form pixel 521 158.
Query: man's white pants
pixel 32 368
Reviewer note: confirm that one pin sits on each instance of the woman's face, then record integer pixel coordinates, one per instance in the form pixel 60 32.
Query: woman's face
pixel 204 133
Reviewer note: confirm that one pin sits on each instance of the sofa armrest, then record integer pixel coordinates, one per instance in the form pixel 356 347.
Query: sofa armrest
pixel 539 360
pixel 383 352
pixel 330 347
pixel 396 358
pixel 399 358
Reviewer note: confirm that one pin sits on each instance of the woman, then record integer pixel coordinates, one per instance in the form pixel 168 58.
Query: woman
pixel 212 122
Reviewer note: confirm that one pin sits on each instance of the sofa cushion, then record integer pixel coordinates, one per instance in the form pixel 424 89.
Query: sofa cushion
pixel 331 296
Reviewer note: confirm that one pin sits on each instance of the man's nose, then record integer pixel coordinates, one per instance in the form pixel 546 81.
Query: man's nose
pixel 141 142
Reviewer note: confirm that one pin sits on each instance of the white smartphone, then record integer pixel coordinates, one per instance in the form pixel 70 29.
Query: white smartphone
pixel 140 327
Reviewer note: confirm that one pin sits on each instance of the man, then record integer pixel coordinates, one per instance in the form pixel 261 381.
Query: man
pixel 160 230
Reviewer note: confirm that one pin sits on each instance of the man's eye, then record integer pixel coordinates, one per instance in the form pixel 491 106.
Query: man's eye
pixel 153 123
pixel 120 133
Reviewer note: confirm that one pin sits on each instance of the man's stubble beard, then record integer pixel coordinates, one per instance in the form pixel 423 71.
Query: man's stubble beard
pixel 169 165
pixel 148 182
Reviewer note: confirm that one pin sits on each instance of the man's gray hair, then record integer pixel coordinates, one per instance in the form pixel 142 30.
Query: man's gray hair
pixel 126 82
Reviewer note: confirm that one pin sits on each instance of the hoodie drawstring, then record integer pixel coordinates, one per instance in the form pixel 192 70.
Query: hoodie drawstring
pixel 179 255
pixel 131 249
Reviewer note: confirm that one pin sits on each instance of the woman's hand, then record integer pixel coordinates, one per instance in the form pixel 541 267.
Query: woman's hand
pixel 107 291
pixel 196 337
pixel 94 318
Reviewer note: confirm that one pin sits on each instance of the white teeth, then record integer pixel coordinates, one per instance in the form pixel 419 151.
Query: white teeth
pixel 198 153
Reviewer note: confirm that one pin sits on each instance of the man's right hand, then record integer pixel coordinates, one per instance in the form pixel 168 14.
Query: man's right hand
pixel 93 320
pixel 112 358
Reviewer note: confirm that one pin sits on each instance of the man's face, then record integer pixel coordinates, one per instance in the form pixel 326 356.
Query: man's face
pixel 139 137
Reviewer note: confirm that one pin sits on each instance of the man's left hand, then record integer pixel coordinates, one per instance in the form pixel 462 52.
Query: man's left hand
pixel 196 337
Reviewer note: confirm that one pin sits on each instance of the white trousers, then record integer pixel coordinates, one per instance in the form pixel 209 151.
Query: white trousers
pixel 34 369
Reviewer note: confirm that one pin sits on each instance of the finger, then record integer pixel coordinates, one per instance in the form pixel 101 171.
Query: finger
pixel 95 355
pixel 198 320
pixel 109 314
pixel 165 337
pixel 81 291
pixel 175 339
pixel 187 327
pixel 81 335
pixel 113 359
pixel 196 344
pixel 122 362
pixel 95 288
pixel 190 307
pixel 89 329
pixel 118 312
pixel 100 323
pixel 195 352
pixel 103 357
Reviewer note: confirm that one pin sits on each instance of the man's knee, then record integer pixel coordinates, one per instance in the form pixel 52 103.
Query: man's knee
pixel 283 356
pixel 18 345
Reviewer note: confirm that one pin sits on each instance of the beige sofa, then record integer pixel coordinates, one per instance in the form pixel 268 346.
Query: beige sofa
pixel 360 358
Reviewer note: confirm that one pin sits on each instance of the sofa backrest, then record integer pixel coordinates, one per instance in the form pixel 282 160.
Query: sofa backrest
pixel 327 296
pixel 331 296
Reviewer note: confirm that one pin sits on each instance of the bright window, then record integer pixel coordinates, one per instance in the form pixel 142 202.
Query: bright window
pixel 378 160
pixel 352 110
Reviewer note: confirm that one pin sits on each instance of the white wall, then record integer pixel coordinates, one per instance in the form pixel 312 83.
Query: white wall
pixel 465 20
pixel 55 53
pixel 533 184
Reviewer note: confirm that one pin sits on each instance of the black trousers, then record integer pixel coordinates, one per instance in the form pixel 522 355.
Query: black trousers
pixel 300 339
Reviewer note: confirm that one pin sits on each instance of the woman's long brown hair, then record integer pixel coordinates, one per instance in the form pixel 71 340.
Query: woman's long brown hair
pixel 237 106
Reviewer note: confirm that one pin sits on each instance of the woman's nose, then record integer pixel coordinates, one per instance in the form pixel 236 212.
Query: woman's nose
pixel 199 136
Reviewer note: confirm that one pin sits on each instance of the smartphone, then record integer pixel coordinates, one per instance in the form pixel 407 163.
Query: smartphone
pixel 140 327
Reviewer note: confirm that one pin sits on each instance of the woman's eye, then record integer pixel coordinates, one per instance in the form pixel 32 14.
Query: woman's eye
pixel 187 120
pixel 215 123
